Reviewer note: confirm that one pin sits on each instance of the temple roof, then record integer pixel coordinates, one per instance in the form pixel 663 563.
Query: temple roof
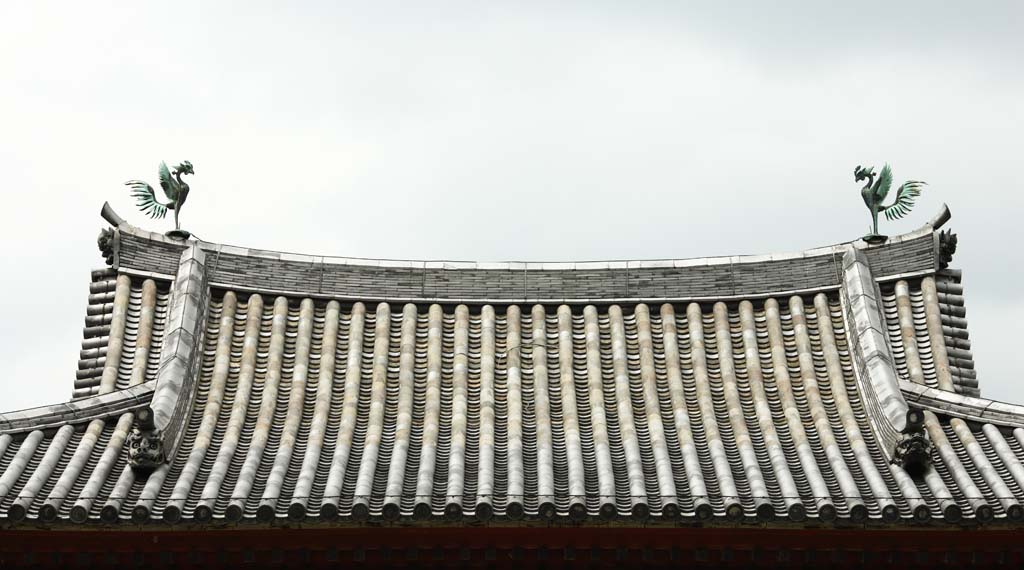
pixel 222 385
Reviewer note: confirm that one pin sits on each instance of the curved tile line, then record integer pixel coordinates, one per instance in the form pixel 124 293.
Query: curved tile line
pixel 45 468
pixel 261 433
pixel 375 422
pixel 19 462
pixel 460 403
pixel 819 415
pixel 431 409
pixel 1006 455
pixel 118 495
pixel 103 467
pixel 150 492
pixel 296 401
pixel 208 424
pixel 705 402
pixel 403 424
pixel 820 495
pixel 131 333
pixel 909 490
pixel 624 410
pixel 748 457
pixel 542 409
pixel 924 345
pixel 950 509
pixel 598 420
pixel 350 408
pixel 62 488
pixel 95 338
pixel 837 382
pixel 662 461
pixel 321 411
pixel 933 320
pixel 691 459
pixel 909 333
pixel 956 468
pixel 570 411
pixel 755 377
pixel 144 340
pixel 471 450
pixel 239 408
pixel 988 472
pixel 485 470
pixel 516 483
pixel 115 345
pixel 5 440
pixel 953 316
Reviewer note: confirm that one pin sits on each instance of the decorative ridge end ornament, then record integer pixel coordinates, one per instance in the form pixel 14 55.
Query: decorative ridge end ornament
pixel 174 188
pixel 145 444
pixel 105 242
pixel 947 247
pixel 914 450
pixel 875 192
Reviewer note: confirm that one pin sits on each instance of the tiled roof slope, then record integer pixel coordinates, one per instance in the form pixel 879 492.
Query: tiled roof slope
pixel 928 316
pixel 767 406
pixel 137 310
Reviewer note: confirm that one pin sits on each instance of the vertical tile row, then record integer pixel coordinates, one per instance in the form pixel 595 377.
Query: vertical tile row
pixel 96 334
pixel 953 317
pixel 260 436
pixel 319 423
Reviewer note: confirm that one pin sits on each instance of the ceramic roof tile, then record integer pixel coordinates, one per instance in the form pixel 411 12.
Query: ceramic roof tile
pixel 343 402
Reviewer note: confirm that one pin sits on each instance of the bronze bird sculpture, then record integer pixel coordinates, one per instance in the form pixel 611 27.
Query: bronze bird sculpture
pixel 875 192
pixel 173 186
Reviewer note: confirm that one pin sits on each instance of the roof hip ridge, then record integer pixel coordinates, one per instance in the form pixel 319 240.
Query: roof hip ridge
pixel 77 411
pixel 872 355
pixel 972 408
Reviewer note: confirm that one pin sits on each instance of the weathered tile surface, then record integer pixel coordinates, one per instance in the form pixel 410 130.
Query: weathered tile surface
pixel 293 391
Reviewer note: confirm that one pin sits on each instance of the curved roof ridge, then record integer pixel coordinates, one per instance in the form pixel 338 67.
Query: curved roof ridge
pixel 144 253
pixel 837 248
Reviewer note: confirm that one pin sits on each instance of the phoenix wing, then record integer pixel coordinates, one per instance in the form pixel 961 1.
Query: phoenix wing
pixel 905 196
pixel 145 199
pixel 169 185
pixel 884 184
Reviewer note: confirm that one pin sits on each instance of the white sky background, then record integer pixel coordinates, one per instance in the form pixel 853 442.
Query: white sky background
pixel 547 131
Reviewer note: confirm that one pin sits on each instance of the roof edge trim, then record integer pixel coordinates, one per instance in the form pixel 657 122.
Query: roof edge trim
pixel 981 410
pixel 77 411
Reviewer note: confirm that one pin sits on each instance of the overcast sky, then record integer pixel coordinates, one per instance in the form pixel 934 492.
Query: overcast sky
pixel 497 131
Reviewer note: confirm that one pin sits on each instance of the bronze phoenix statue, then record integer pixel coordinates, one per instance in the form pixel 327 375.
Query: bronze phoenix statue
pixel 874 194
pixel 173 186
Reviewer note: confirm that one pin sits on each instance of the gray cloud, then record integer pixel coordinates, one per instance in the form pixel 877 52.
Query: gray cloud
pixel 516 131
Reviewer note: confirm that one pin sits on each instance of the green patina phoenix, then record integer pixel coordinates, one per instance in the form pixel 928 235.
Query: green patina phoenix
pixel 173 186
pixel 874 194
